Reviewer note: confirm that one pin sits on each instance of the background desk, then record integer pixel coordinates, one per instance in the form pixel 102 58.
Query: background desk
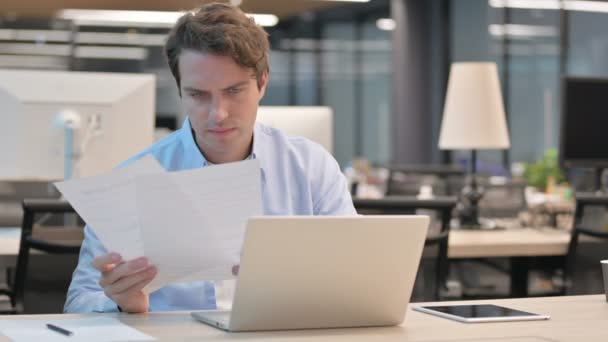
pixel 507 243
pixel 581 318
pixel 519 245
pixel 9 246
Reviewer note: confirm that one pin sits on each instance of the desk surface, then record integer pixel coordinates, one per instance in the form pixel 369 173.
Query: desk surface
pixel 580 318
pixel 9 241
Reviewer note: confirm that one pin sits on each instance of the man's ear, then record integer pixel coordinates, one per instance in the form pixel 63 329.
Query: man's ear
pixel 263 84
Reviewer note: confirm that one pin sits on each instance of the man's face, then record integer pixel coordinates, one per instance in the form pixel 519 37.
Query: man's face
pixel 221 98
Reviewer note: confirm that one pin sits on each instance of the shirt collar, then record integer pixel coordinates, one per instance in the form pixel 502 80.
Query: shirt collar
pixel 197 159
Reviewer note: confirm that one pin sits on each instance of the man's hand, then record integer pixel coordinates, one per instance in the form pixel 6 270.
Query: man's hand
pixel 123 281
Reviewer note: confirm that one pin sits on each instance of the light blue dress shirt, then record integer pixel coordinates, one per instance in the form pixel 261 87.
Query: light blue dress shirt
pixel 299 177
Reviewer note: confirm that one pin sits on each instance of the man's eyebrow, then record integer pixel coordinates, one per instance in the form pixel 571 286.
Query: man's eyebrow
pixel 236 85
pixel 193 89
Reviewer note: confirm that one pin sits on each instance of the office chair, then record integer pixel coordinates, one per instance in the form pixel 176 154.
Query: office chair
pixel 403 205
pixel 585 227
pixel 405 180
pixel 503 200
pixel 61 240
pixel 12 194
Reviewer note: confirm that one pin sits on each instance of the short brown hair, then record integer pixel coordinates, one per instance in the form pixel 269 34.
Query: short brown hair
pixel 219 29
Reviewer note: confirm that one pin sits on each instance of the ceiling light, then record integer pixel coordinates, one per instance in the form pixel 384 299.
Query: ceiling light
pixel 526 4
pixel 140 18
pixel 514 30
pixel 119 18
pixel 586 6
pixel 570 5
pixel 266 20
pixel 386 24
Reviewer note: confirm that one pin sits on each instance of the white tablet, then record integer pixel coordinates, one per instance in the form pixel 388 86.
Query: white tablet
pixel 480 313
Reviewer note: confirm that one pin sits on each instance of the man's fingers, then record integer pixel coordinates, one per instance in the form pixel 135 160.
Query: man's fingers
pixel 131 282
pixel 122 270
pixel 102 263
pixel 139 286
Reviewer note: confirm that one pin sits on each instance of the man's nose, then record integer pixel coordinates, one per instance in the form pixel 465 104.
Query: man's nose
pixel 218 112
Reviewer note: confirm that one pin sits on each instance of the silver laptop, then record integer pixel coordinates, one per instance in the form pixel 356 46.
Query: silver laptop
pixel 307 272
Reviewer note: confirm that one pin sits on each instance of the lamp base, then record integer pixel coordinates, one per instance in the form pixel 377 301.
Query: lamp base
pixel 468 209
pixel 482 224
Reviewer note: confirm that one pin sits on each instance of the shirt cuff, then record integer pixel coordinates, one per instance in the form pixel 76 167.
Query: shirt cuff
pixel 108 305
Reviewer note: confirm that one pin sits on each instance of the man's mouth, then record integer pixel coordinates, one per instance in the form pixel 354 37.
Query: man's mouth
pixel 221 130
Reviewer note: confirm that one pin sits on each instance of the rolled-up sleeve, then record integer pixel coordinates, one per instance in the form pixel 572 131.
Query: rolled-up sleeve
pixel 85 295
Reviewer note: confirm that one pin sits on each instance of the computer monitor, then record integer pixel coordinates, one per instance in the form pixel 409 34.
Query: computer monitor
pixel 113 116
pixel 584 122
pixel 314 123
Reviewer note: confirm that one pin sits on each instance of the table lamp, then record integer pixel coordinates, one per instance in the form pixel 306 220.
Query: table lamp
pixel 473 119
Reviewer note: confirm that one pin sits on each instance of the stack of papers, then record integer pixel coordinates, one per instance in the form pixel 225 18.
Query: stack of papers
pixel 99 329
pixel 190 224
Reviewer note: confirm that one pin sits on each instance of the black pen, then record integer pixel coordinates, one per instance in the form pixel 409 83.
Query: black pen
pixel 59 329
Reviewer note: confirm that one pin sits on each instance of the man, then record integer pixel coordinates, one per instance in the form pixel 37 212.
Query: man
pixel 219 59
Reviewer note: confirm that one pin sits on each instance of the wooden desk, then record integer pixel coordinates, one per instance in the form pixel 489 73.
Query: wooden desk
pixel 9 246
pixel 580 318
pixel 507 243
pixel 519 245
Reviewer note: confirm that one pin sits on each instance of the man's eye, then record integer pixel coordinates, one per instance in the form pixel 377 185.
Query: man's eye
pixel 197 95
pixel 234 90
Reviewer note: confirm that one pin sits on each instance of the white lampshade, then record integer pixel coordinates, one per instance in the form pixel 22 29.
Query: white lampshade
pixel 474 114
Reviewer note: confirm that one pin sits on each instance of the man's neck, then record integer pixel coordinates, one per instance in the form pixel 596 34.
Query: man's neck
pixel 220 157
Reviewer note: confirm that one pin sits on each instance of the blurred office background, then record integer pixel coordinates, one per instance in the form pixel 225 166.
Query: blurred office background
pixel 381 65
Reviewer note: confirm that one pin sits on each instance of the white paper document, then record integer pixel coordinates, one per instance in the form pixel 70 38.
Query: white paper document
pixel 194 220
pixel 106 203
pixel 190 224
pixel 97 329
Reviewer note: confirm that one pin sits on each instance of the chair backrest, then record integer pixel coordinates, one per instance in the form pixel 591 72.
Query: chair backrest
pixel 400 205
pixel 503 200
pixel 583 225
pixel 446 180
pixel 12 194
pixel 65 239
pixel 314 123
